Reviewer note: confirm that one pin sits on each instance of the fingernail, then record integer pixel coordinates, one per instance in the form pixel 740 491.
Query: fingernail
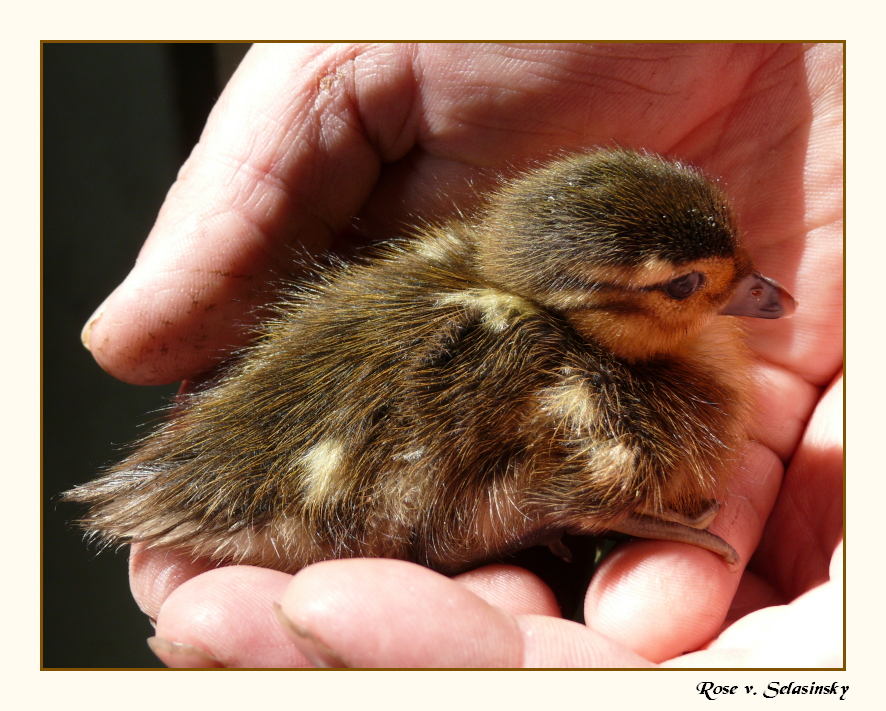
pixel 182 656
pixel 86 333
pixel 318 653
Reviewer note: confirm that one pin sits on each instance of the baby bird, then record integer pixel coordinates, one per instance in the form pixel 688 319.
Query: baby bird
pixel 564 362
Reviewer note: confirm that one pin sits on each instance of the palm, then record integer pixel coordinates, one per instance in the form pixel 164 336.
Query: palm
pixel 765 118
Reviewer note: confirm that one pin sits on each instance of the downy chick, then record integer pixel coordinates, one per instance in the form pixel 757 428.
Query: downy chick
pixel 564 362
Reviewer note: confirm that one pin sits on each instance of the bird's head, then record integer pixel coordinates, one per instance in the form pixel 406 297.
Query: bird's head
pixel 638 253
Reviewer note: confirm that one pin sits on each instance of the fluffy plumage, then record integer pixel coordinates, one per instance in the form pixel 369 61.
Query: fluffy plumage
pixel 557 364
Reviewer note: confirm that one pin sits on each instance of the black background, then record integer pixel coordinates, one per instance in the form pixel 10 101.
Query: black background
pixel 118 121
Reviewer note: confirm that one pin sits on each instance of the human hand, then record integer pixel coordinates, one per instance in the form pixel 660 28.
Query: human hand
pixel 304 138
pixel 786 611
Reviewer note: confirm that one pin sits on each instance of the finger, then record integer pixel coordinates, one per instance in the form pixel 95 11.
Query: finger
pixel 662 599
pixel 807 522
pixel 222 618
pixel 753 593
pixel 783 404
pixel 511 588
pixel 392 614
pixel 284 159
pixel 155 572
pixel 807 633
pixel 226 617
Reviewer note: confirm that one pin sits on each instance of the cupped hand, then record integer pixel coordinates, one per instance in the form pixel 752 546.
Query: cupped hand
pixel 310 147
pixel 650 602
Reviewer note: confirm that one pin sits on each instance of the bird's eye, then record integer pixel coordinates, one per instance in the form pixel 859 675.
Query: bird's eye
pixel 684 286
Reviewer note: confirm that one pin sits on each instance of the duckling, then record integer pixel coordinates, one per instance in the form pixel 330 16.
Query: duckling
pixel 566 361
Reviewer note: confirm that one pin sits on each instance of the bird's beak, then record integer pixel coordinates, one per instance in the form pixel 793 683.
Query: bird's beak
pixel 760 297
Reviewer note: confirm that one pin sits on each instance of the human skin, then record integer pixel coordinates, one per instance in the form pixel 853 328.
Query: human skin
pixel 305 138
